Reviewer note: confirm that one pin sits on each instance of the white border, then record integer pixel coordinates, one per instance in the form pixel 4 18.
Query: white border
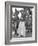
pixel 33 30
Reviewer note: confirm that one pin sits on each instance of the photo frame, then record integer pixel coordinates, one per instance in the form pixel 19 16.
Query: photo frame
pixel 27 10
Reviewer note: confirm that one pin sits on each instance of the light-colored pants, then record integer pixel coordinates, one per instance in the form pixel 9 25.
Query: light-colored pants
pixel 21 29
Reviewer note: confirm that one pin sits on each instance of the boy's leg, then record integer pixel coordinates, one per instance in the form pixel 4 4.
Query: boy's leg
pixel 17 24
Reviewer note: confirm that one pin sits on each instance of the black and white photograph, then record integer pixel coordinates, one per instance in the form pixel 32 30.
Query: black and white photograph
pixel 20 22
